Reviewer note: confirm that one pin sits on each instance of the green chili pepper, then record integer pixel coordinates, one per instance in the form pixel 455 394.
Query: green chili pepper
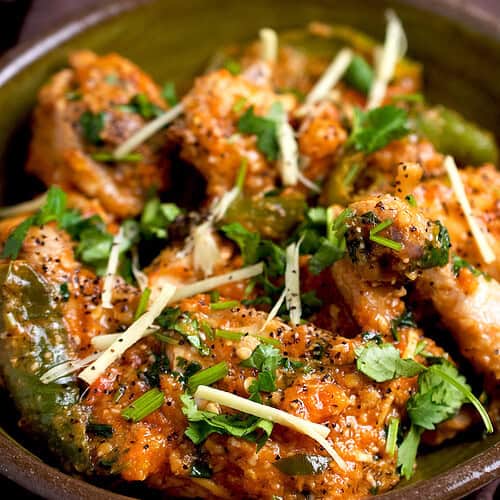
pixel 452 134
pixel 36 340
pixel 359 74
pixel 271 216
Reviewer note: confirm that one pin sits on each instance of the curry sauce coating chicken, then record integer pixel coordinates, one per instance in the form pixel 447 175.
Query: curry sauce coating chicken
pixel 86 110
pixel 331 392
pixel 437 200
pixel 208 134
pixel 50 252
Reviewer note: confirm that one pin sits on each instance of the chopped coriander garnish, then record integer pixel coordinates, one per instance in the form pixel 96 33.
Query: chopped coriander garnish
pixel 204 423
pixel 381 240
pixel 200 469
pixel 411 200
pixel 169 93
pixel 156 217
pixel 64 292
pixel 436 253
pixel 325 250
pixel 359 74
pixel 208 376
pixel 226 334
pixel 234 67
pixel 441 393
pixel 16 238
pixel 220 306
pixel 383 362
pixel 53 209
pixel 142 105
pixel 101 430
pixel 406 319
pixel 264 128
pixel 145 405
pixel 458 263
pixel 106 157
pixel 407 451
pixel 92 125
pixel 375 129
pixel 143 303
pixel 160 365
pixel 266 359
pixel 392 436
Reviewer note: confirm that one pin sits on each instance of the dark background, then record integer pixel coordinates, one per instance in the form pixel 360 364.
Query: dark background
pixel 22 20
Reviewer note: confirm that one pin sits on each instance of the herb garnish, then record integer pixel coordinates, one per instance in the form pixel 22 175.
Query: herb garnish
pixel 101 430
pixel 436 253
pixel 381 240
pixel 375 129
pixel 207 376
pixel 64 292
pixel 156 217
pixel 406 319
pixel 458 263
pixel 143 406
pixel 169 93
pixel 265 128
pixel 92 125
pixel 383 362
pixel 441 392
pixel 266 359
pixel 204 423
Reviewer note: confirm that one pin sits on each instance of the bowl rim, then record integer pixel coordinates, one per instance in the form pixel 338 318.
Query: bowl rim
pixel 22 467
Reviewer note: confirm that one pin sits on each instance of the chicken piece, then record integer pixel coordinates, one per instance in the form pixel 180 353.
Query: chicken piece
pixel 85 110
pixel 411 149
pixel 438 201
pixel 373 305
pixel 320 137
pixel 174 265
pixel 470 307
pixel 409 239
pixel 49 251
pixel 209 137
pixel 332 392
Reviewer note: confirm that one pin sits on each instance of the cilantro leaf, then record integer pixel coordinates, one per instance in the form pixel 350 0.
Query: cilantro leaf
pixel 436 400
pixel 375 129
pixel 326 255
pixel 169 93
pixel 406 319
pixel 383 362
pixel 407 451
pixel 92 125
pixel 156 217
pixel 264 129
pixel 458 263
pixel 441 392
pixel 266 359
pixel 16 237
pixel 436 253
pixel 204 423
pixel 323 237
pixel 52 210
pixel 142 105
pixel 254 249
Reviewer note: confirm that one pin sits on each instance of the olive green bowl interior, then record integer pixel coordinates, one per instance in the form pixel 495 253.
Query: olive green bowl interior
pixel 173 40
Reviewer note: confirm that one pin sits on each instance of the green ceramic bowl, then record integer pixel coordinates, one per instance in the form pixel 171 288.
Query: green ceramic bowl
pixel 173 40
